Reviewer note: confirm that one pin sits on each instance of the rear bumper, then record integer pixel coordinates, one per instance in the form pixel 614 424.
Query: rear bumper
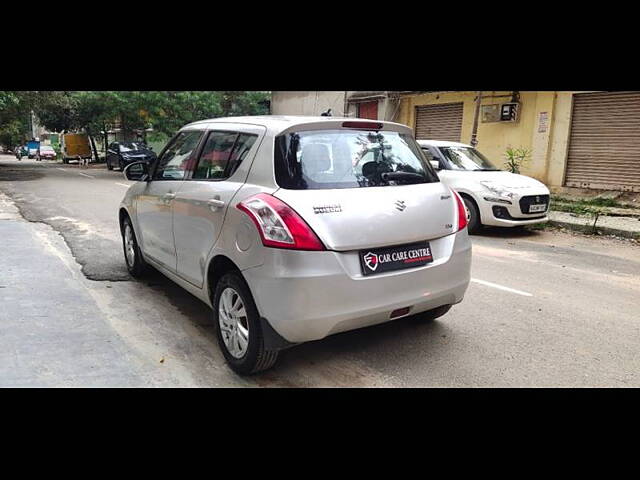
pixel 309 295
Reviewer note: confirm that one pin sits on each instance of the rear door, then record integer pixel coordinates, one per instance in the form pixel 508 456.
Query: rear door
pixel 336 181
pixel 154 205
pixel 202 202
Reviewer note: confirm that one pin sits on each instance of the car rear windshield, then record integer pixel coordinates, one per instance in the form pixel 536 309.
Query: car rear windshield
pixel 325 159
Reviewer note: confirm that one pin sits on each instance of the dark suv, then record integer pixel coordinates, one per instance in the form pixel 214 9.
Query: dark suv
pixel 121 154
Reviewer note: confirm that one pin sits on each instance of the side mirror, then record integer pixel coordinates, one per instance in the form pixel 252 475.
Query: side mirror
pixel 137 171
pixel 435 164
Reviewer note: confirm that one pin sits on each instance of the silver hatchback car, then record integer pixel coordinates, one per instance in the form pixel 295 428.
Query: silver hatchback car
pixel 295 228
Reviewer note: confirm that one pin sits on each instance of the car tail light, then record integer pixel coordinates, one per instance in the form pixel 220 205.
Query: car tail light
pixel 462 211
pixel 278 224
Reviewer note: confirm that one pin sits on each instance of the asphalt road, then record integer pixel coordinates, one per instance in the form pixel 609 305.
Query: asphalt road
pixel 545 308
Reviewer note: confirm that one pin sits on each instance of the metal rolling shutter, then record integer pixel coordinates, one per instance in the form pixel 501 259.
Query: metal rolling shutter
pixel 439 122
pixel 604 145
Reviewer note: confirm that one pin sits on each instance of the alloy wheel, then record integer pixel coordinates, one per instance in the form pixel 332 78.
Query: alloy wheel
pixel 129 245
pixel 234 325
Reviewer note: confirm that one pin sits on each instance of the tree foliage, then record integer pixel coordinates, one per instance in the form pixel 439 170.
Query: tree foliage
pixel 14 118
pixel 516 158
pixel 98 111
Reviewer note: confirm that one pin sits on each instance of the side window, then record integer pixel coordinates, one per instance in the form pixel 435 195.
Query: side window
pixel 215 156
pixel 428 154
pixel 431 157
pixel 242 148
pixel 177 158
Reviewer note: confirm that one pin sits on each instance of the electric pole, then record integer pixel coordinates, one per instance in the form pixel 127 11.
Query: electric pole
pixel 474 132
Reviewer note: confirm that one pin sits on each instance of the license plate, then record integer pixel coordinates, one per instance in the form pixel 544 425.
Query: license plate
pixel 538 208
pixel 380 260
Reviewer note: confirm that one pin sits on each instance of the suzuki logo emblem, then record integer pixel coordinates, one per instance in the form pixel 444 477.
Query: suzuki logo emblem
pixel 400 205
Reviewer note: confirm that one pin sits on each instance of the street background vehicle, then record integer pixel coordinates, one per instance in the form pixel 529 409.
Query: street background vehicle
pixel 21 151
pixel 75 146
pixel 121 154
pixel 492 196
pixel 32 148
pixel 46 152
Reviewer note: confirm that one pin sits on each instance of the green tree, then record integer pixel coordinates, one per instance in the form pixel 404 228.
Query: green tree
pixel 97 112
pixel 14 118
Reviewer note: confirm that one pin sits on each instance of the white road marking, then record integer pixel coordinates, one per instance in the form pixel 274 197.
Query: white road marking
pixel 63 169
pixel 501 287
pixel 85 175
pixel 123 184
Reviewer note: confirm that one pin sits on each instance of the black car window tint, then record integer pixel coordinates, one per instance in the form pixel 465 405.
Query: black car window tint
pixel 243 147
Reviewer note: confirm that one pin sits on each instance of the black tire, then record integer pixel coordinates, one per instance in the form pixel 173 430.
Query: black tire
pixel 431 315
pixel 256 358
pixel 474 224
pixel 109 166
pixel 138 267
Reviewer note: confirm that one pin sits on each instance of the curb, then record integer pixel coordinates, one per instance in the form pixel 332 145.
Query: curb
pixel 600 230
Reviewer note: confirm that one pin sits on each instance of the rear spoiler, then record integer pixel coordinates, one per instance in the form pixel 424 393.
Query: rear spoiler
pixel 348 124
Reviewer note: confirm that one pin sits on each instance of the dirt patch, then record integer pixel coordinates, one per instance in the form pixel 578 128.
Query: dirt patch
pixel 19 173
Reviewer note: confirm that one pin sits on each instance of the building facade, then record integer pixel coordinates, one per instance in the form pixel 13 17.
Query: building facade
pixel 372 105
pixel 588 140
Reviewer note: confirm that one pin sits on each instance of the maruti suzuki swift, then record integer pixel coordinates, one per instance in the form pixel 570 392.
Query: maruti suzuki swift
pixel 296 228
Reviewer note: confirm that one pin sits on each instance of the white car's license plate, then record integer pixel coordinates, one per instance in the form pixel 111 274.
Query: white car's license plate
pixel 538 208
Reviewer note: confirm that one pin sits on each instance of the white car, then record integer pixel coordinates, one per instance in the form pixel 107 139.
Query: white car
pixel 296 228
pixel 492 196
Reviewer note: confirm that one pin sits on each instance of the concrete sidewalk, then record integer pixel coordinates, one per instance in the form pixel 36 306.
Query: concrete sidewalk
pixel 628 227
pixel 52 333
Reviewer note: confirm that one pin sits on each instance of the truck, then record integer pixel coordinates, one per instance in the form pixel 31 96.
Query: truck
pixel 32 148
pixel 75 146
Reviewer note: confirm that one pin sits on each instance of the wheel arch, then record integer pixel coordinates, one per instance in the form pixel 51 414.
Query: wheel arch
pixel 469 196
pixel 122 214
pixel 218 266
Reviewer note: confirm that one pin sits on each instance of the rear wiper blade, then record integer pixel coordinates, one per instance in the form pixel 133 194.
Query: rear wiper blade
pixel 487 170
pixel 402 176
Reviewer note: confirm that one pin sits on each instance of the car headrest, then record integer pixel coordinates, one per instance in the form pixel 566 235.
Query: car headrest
pixel 315 158
pixel 370 169
pixel 342 157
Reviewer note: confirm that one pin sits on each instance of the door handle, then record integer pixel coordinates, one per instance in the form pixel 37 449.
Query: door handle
pixel 169 196
pixel 216 203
